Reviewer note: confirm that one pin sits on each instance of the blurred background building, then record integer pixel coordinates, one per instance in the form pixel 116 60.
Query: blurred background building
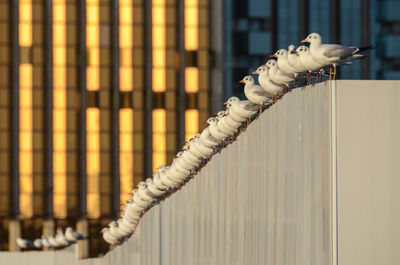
pixel 255 28
pixel 95 94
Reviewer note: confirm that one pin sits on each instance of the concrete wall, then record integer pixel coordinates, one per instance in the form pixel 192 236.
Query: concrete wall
pixel 313 181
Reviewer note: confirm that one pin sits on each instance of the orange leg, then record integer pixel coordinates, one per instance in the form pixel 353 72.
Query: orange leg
pixel 334 73
pixel 330 73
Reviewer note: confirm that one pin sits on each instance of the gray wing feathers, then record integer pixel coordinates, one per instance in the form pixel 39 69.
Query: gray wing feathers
pixel 334 50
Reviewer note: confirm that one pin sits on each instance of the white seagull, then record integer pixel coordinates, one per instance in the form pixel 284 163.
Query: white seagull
pixel 332 54
pixel 266 83
pixel 255 93
pixel 278 76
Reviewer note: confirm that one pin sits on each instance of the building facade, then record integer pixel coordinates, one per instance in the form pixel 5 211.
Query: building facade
pixel 254 29
pixel 94 96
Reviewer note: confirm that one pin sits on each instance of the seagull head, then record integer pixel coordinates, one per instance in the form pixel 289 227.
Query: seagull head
pixel 272 64
pixel 232 100
pixel 279 54
pixel 105 230
pixel 220 114
pixel 291 48
pixel 210 120
pixel 247 80
pixel 313 38
pixel 302 50
pixel 260 70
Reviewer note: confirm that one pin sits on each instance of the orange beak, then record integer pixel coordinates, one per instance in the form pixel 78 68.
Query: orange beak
pixel 225 103
pixel 304 41
pixel 241 81
pixel 272 56
pixel 254 73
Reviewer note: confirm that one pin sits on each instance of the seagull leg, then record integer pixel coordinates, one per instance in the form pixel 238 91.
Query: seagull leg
pixel 260 110
pixel 294 81
pixel 330 73
pixel 334 72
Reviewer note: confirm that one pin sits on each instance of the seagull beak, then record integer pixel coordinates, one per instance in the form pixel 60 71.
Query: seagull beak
pixel 241 81
pixel 254 73
pixel 304 41
pixel 272 56
pixel 294 52
pixel 225 103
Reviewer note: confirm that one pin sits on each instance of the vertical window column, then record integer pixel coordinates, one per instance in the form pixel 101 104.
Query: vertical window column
pixel 92 112
pixel 59 109
pixel 159 81
pixel 4 111
pixel 191 70
pixel 126 111
pixel 25 100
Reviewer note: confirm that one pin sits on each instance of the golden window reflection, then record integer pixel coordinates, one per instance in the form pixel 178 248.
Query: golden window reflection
pixel 159 137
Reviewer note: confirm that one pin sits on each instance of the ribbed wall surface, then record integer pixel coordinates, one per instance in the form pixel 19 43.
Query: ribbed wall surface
pixel 265 199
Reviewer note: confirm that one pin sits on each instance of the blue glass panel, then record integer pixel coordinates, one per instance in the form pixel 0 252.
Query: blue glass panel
pixel 259 43
pixel 259 8
pixel 287 23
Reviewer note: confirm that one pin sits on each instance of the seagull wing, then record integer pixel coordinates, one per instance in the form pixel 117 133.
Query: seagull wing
pixel 262 93
pixel 251 107
pixel 335 50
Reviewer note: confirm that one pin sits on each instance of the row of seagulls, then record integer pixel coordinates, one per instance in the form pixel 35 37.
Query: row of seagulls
pixel 58 241
pixel 274 78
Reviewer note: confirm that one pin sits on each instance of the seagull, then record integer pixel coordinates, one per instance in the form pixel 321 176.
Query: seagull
pixel 60 238
pixel 73 236
pixel 132 213
pixel 207 139
pixel 126 227
pixel 52 241
pixel 215 132
pixel 266 83
pixel 108 237
pixel 45 242
pixel 332 54
pixel 37 243
pixel 115 231
pixel 222 126
pixel 144 192
pixel 241 110
pixel 139 200
pixel 24 244
pixel 157 181
pixel 294 60
pixel 255 93
pixel 197 146
pixel 231 121
pixel 278 76
pixel 153 188
pixel 283 63
pixel 308 61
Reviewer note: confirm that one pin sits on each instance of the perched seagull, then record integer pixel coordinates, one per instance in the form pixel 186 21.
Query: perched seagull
pixel 153 188
pixel 137 199
pixel 223 126
pixel 144 192
pixel 255 93
pixel 52 241
pixel 126 227
pixel 215 132
pixel 24 244
pixel 37 243
pixel 73 236
pixel 198 147
pixel 232 120
pixel 241 110
pixel 60 238
pixel 283 63
pixel 308 61
pixel 108 237
pixel 207 139
pixel 157 181
pixel 278 76
pixel 115 231
pixel 266 83
pixel 294 60
pixel 332 54
pixel 45 242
